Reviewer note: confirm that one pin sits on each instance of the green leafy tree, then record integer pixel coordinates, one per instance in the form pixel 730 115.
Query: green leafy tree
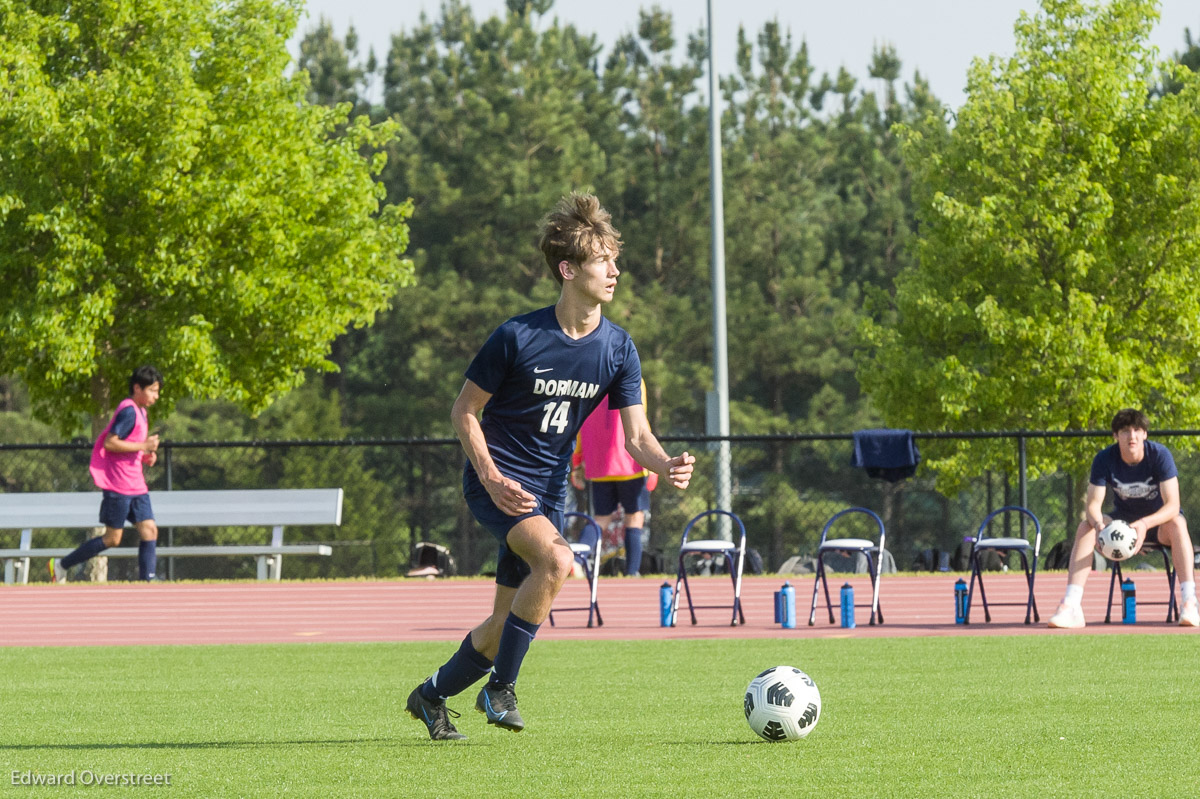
pixel 168 196
pixel 816 211
pixel 782 294
pixel 663 213
pixel 783 309
pixel 335 75
pixel 867 223
pixel 500 119
pixel 1060 233
pixel 1188 59
pixel 37 470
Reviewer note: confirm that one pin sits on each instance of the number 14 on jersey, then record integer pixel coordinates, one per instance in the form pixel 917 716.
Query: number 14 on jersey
pixel 555 415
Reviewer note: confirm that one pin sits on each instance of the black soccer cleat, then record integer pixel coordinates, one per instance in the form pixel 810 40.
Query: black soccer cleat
pixel 435 715
pixel 499 704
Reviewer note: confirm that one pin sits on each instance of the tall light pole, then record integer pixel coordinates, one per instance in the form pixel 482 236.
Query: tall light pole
pixel 718 398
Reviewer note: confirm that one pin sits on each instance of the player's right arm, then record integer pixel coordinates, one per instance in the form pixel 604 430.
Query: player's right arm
pixel 114 443
pixel 506 493
pixel 645 449
pixel 1093 506
pixel 122 425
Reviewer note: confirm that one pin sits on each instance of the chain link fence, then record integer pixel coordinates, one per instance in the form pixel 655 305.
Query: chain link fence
pixel 402 492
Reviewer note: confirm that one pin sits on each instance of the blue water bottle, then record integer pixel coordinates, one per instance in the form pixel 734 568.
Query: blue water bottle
pixel 664 605
pixel 1128 602
pixel 785 606
pixel 960 601
pixel 848 606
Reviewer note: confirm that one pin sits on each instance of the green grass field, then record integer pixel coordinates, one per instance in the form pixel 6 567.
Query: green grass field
pixel 1051 715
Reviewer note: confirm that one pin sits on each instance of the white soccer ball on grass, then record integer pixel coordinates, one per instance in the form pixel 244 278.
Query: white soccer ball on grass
pixel 1117 541
pixel 782 704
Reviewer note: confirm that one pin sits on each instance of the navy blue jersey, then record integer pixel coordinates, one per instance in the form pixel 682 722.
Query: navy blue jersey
pixel 1135 487
pixel 123 422
pixel 544 384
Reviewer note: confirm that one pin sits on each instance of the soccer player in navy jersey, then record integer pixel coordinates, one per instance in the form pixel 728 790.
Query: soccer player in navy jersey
pixel 536 379
pixel 1145 488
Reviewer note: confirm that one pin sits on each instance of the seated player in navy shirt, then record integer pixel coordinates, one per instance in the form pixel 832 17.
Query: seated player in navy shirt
pixel 1145 488
pixel 535 381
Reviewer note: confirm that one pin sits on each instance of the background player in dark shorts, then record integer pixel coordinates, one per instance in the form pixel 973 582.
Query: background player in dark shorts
pixel 1145 485
pixel 118 457
pixel 616 478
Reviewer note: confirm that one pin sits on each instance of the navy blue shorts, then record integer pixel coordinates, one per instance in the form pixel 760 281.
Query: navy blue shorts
pixel 510 569
pixel 629 494
pixel 116 509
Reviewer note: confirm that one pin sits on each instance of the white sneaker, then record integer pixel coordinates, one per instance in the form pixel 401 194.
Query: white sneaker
pixel 1189 615
pixel 1067 617
pixel 58 572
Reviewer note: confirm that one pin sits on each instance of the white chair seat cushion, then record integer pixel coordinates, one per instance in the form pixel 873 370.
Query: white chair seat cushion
pixel 709 546
pixel 849 543
pixel 1003 543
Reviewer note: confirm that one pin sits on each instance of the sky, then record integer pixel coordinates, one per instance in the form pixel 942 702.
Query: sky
pixel 939 38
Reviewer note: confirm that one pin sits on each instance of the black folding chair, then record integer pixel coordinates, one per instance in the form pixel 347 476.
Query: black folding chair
pixel 587 553
pixel 730 549
pixel 1026 549
pixel 869 550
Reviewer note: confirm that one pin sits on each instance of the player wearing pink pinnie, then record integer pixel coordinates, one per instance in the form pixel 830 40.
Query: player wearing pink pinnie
pixel 617 479
pixel 118 456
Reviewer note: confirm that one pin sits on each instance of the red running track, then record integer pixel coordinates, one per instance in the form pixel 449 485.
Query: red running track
pixel 424 610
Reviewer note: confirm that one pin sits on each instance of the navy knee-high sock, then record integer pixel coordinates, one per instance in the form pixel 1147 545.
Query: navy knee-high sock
pixel 85 551
pixel 514 643
pixel 633 550
pixel 463 669
pixel 147 559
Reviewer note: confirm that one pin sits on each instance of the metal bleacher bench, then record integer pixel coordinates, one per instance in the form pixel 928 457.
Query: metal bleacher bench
pixel 274 508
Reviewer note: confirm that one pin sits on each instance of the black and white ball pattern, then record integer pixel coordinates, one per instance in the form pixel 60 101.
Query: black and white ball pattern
pixel 1117 541
pixel 782 704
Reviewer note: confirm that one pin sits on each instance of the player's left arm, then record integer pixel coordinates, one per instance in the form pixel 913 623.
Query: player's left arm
pixel 1169 491
pixel 576 474
pixel 151 457
pixel 645 449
